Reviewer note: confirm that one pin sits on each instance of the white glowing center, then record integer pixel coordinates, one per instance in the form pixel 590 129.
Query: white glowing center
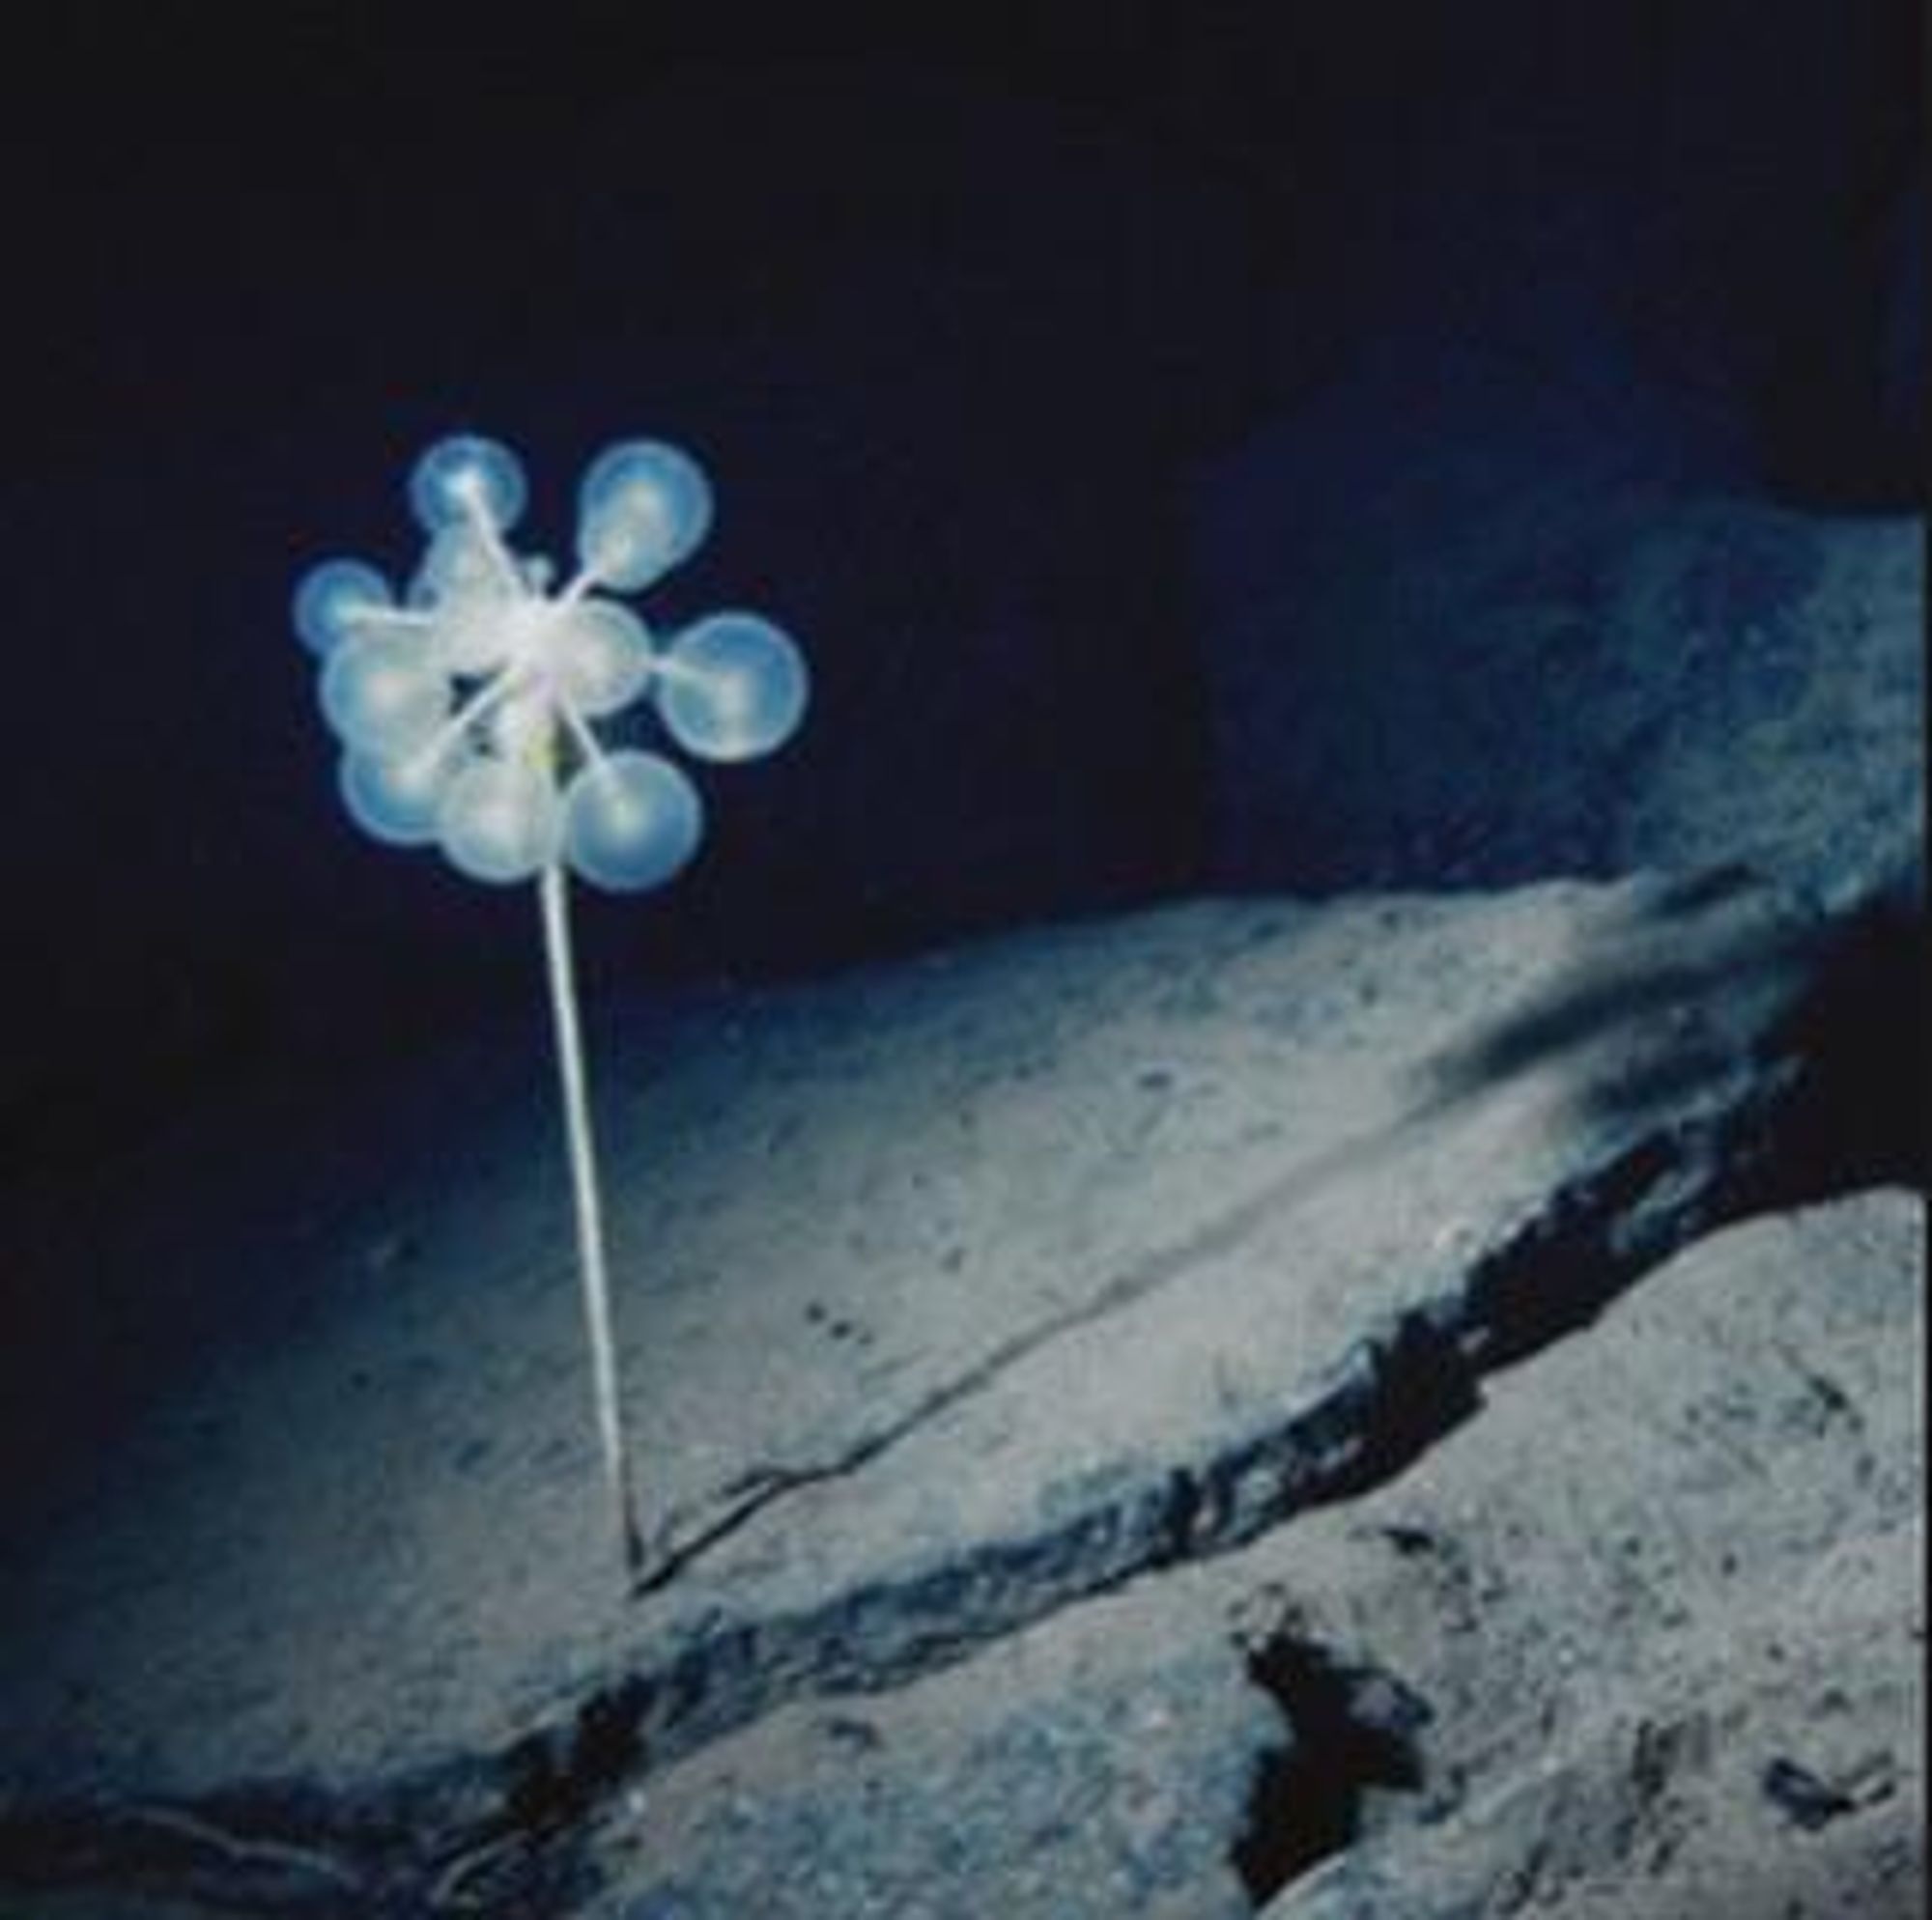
pixel 467 708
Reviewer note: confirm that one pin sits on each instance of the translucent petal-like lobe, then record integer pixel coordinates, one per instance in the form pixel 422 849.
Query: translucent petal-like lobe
pixel 395 799
pixel 598 656
pixel 732 686
pixel 384 695
pixel 334 602
pixel 498 821
pixel 632 821
pixel 462 562
pixel 641 507
pixel 458 561
pixel 465 476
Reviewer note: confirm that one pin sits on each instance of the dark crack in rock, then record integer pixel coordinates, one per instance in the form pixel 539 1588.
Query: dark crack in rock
pixel 1356 1734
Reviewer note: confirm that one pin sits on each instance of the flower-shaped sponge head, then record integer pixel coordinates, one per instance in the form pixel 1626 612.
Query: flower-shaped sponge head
pixel 468 707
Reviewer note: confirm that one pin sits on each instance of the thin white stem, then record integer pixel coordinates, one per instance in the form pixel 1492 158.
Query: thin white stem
pixel 487 532
pixel 390 616
pixel 491 695
pixel 589 1210
pixel 579 584
pixel 579 729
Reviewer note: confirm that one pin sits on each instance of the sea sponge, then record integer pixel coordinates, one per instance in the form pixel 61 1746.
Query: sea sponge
pixel 467 709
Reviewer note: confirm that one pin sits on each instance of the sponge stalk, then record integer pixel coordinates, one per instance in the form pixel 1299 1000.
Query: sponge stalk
pixel 592 1263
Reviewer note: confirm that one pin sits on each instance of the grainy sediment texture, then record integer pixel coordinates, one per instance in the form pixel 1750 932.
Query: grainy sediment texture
pixel 963 1303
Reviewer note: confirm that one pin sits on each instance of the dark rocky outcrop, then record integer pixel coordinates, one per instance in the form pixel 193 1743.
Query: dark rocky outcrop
pixel 1543 651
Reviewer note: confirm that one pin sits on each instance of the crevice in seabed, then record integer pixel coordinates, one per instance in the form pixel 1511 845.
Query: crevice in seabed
pixel 1354 1733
